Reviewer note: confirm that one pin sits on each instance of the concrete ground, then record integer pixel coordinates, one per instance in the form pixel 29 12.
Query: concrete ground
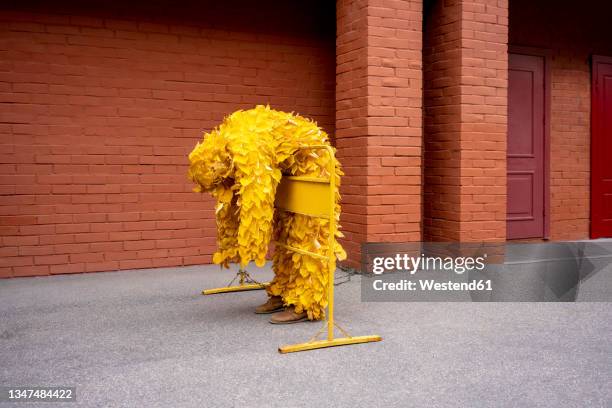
pixel 147 338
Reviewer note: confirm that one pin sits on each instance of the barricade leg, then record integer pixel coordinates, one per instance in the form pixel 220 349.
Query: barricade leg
pixel 245 282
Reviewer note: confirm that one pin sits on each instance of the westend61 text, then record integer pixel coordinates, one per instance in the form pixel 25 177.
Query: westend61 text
pixel 432 285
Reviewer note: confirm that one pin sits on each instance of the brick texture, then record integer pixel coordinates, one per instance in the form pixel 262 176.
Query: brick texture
pixel 552 26
pixel 99 108
pixel 465 82
pixel 570 132
pixel 379 120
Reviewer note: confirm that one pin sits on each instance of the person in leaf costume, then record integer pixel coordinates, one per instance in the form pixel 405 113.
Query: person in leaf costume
pixel 241 163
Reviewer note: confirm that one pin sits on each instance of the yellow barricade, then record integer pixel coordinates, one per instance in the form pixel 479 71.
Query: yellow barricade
pixel 316 198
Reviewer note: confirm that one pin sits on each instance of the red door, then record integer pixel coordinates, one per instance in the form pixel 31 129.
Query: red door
pixel 525 165
pixel 601 148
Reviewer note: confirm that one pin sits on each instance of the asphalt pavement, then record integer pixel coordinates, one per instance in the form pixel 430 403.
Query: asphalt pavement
pixel 148 338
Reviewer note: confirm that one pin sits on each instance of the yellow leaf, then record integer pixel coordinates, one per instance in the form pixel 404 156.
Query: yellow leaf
pixel 217 258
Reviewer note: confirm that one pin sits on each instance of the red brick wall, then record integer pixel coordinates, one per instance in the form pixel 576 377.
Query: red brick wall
pixel 99 108
pixel 572 34
pixel 570 134
pixel 466 62
pixel 442 120
pixel 351 122
pixel 484 89
pixel 379 120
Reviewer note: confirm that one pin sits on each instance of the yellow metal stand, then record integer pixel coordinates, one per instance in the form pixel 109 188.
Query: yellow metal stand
pixel 245 282
pixel 316 197
pixel 312 345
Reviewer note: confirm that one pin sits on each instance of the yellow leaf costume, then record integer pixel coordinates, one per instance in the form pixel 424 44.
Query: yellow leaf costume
pixel 241 163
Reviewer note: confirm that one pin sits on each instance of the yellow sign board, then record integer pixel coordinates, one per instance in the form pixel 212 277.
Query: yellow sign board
pixel 304 195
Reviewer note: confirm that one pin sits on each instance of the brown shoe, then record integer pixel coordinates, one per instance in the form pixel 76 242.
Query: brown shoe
pixel 288 316
pixel 274 304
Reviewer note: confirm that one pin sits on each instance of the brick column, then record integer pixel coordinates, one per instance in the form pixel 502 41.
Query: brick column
pixel 379 120
pixel 466 81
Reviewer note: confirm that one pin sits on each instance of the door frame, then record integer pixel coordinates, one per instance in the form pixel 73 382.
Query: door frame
pixel 594 60
pixel 546 55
